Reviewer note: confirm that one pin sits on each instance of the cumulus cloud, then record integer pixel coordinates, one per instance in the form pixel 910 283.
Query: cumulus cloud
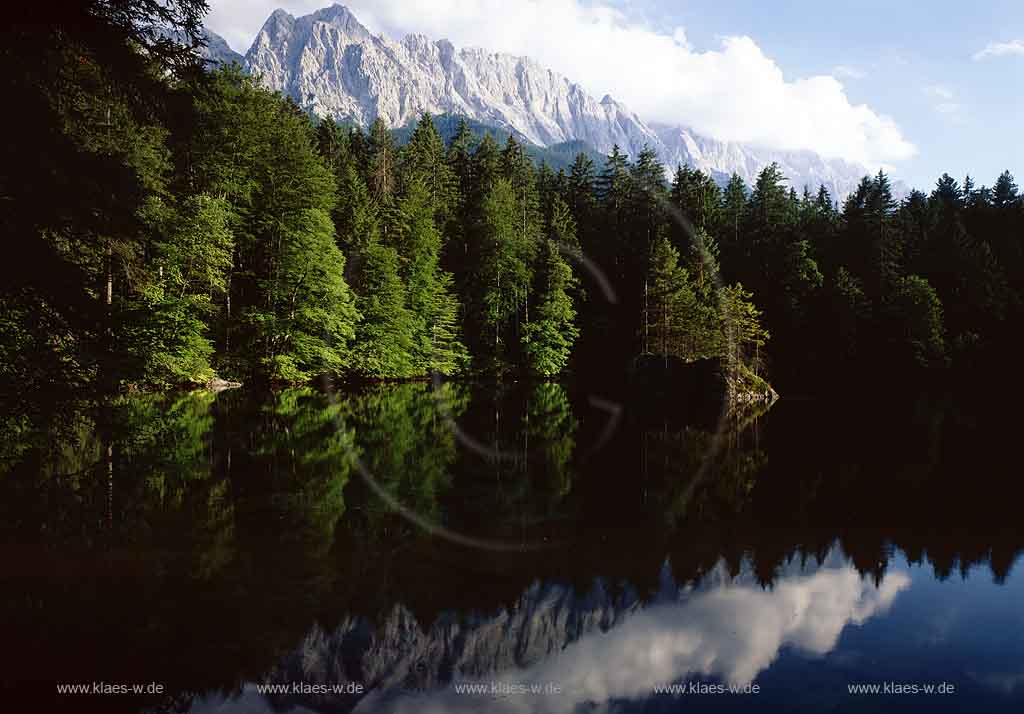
pixel 730 633
pixel 1000 49
pixel 732 92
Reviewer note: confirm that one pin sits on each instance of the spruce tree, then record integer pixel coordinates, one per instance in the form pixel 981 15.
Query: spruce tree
pixel 424 159
pixel 743 336
pixel 732 221
pixel 580 198
pixel 295 311
pixel 613 190
pixel 503 277
pixel 385 337
pixel 916 331
pixel 432 306
pixel 1005 192
pixel 383 161
pixel 549 336
pixel 669 305
pixel 882 234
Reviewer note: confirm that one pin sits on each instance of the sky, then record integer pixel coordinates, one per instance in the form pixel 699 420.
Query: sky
pixel 916 88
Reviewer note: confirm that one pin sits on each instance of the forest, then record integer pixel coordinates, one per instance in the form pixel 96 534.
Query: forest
pixel 170 222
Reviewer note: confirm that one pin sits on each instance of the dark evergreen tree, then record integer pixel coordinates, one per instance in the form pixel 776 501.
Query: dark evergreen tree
pixel 432 305
pixel 549 336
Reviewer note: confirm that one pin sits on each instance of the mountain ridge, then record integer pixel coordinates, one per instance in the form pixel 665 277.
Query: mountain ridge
pixel 334 66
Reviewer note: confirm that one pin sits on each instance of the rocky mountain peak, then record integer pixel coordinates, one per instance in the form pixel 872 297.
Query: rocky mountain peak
pixel 332 65
pixel 340 17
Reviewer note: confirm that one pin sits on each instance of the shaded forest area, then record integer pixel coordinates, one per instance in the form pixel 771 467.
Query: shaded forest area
pixel 189 517
pixel 173 223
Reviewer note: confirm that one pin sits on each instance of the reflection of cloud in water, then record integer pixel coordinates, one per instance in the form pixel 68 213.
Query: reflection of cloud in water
pixel 248 701
pixel 731 633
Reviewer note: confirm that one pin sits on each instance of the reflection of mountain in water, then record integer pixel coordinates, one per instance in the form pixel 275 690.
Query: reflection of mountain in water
pixel 227 526
pixel 597 645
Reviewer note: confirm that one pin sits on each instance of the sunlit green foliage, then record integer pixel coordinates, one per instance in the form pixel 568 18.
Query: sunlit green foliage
pixel 175 225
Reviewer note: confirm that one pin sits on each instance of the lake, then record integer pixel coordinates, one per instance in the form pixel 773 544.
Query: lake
pixel 442 548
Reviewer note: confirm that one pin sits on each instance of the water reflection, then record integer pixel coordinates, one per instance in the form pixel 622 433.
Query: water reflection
pixel 211 542
pixel 595 645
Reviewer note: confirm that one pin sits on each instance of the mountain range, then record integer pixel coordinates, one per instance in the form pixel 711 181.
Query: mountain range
pixel 587 639
pixel 332 65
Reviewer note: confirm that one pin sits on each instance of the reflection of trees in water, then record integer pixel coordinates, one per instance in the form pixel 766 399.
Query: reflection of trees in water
pixel 197 472
pixel 519 471
pixel 404 442
pixel 695 471
pixel 244 515
pixel 111 473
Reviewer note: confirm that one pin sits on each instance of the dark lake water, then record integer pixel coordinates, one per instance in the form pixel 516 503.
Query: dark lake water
pixel 534 548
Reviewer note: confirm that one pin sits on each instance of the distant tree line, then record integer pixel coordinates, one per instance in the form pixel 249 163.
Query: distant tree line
pixel 173 223
pixel 883 286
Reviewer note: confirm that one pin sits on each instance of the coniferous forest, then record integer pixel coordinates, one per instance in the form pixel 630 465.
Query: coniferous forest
pixel 169 223
pixel 503 417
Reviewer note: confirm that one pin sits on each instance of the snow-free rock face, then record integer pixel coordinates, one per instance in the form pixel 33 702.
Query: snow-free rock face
pixel 218 51
pixel 331 64
pixel 595 642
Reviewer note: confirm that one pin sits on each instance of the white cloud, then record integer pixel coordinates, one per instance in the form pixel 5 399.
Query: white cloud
pixel 1000 49
pixel 729 633
pixel 849 72
pixel 733 92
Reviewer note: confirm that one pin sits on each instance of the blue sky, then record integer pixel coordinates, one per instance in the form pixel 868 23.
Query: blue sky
pixel 916 60
pixel 907 86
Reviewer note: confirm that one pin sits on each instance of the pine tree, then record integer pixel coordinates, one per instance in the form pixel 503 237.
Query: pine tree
pixel 669 305
pixel 881 234
pixel 646 196
pixel 613 190
pixel 517 168
pixel 485 168
pixel 307 319
pixel 503 276
pixel 459 159
pixel 333 145
pixel 191 265
pixel 431 304
pixel 915 313
pixel 580 191
pixel 848 310
pixel 1005 192
pixel 295 311
pixel 385 337
pixel 549 336
pixel 548 188
pixel 460 154
pixel 915 218
pixel 948 195
pixel 769 203
pixel 732 220
pixel 742 333
pixel 819 226
pixel 424 159
pixel 383 161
